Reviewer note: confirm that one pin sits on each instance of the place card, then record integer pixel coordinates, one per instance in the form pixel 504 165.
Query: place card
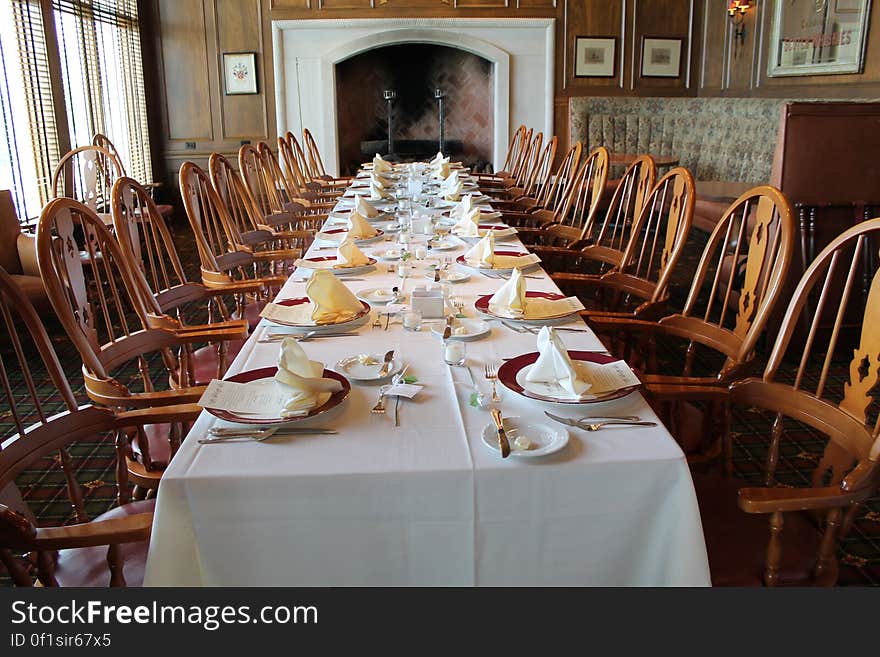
pixel 408 390
pixel 608 377
pixel 246 399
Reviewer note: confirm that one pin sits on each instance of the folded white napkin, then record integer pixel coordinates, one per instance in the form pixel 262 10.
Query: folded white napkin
pixel 380 164
pixel 332 301
pixel 482 254
pixel 452 187
pixel 309 388
pixel 465 205
pixel 468 225
pixel 359 227
pixel 441 169
pixel 364 208
pixel 510 299
pixel 554 365
pixel 378 193
pixel 379 180
pixel 438 158
pixel 348 255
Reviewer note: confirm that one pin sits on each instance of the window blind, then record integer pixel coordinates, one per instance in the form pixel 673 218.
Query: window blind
pixel 28 130
pixel 102 72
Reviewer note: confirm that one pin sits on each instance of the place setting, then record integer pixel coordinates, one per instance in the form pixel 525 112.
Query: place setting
pixel 328 307
pixel 514 303
pixel 357 228
pixel 483 256
pixel 348 260
pixel 297 389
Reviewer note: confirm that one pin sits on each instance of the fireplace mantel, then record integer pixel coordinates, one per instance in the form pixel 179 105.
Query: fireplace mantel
pixel 306 52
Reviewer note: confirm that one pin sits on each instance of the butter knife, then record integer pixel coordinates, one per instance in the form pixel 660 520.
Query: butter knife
pixel 503 443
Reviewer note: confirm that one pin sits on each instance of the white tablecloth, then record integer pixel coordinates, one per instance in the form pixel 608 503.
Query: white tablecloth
pixel 427 503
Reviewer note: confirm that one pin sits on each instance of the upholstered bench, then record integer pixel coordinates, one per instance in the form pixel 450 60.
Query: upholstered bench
pixel 718 139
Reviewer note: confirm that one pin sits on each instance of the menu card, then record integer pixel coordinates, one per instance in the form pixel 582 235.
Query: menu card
pixel 509 262
pixel 266 399
pixel 537 308
pixel 608 377
pixel 300 315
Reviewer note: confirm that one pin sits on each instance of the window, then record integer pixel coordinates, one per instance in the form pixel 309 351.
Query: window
pixel 103 77
pixel 29 148
pixel 100 89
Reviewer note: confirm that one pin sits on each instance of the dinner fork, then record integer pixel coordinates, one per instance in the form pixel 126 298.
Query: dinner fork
pixel 492 375
pixel 379 408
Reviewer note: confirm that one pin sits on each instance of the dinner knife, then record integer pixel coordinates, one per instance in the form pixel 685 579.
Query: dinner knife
pixel 235 431
pixel 503 443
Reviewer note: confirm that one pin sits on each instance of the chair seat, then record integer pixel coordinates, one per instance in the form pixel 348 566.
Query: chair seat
pixel 737 541
pixel 88 566
pixel 252 313
pixel 206 359
pixel 157 436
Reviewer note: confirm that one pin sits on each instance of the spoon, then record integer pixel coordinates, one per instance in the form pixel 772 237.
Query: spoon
pixel 386 366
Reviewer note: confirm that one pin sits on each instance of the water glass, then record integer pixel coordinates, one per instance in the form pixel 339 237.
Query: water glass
pixel 421 252
pixel 412 320
pixel 454 352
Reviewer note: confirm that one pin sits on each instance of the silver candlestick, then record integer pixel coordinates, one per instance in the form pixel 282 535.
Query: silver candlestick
pixel 390 95
pixel 439 94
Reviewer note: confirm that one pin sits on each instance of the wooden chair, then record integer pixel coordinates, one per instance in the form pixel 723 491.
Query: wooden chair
pixel 316 165
pixel 582 195
pixel 634 263
pixel 104 142
pixel 311 194
pixel 128 356
pixel 514 152
pixel 266 236
pixel 516 187
pixel 514 172
pixel 560 246
pixel 149 246
pixel 87 174
pixel 780 532
pixel 222 265
pixel 110 549
pixel 544 209
pixel 733 295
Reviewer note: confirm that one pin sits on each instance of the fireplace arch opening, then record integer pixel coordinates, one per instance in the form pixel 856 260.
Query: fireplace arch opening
pixel 414 71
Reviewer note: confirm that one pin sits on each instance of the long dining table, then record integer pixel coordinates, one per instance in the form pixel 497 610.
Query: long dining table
pixel 428 502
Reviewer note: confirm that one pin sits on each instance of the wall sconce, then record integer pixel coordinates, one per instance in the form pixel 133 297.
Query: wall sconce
pixel 736 11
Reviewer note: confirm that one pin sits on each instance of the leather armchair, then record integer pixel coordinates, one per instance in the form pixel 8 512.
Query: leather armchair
pixel 18 255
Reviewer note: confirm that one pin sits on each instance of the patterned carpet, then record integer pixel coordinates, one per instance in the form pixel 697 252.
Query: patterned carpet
pixel 43 487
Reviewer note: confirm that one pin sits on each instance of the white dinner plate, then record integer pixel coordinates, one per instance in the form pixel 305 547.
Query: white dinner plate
pixel 474 329
pixel 328 263
pixel 355 369
pixel 338 235
pixel 451 276
pixel 388 254
pixel 543 438
pixel 377 295
pixel 443 245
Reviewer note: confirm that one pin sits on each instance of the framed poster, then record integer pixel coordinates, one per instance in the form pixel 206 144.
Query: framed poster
pixel 818 37
pixel 661 58
pixel 594 57
pixel 240 73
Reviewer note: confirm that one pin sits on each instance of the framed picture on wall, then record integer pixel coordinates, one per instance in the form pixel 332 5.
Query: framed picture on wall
pixel 240 73
pixel 661 57
pixel 821 37
pixel 594 57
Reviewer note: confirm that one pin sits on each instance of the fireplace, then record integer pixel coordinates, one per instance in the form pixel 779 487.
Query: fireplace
pixel 413 73
pixel 511 57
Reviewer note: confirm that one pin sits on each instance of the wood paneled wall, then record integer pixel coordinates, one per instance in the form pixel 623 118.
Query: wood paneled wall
pixel 187 39
pixel 192 117
pixel 722 74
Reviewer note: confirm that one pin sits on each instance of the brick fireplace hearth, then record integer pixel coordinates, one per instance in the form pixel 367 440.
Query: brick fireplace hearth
pixel 414 71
